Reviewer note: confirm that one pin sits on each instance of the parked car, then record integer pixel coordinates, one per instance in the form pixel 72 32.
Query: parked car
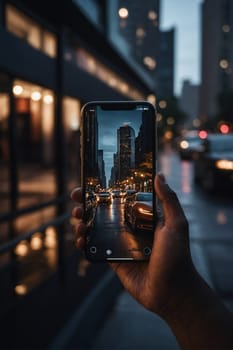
pixel 213 166
pixel 138 211
pixel 90 208
pixel 128 193
pixel 91 196
pixel 104 198
pixel 188 145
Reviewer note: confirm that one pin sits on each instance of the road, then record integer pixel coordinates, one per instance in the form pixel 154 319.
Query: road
pixel 210 217
pixel 113 238
pixel 211 221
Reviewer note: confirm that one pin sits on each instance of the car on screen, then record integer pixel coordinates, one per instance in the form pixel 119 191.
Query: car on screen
pixel 127 194
pixel 213 165
pixel 116 194
pixel 104 198
pixel 138 211
pixel 90 207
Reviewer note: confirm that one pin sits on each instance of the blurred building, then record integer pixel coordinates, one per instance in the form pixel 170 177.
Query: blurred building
pixel 92 169
pixel 217 54
pixel 101 166
pixel 140 28
pixel 152 48
pixel 55 56
pixel 106 17
pixel 166 64
pixel 51 63
pixel 189 102
pixel 125 151
pixel 114 171
pixel 143 144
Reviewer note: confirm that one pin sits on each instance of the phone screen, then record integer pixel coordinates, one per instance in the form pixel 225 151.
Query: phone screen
pixel 118 168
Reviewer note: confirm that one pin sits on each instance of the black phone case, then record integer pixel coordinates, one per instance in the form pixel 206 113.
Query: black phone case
pixel 103 251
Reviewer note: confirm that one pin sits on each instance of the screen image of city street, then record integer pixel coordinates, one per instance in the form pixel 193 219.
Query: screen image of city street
pixel 118 172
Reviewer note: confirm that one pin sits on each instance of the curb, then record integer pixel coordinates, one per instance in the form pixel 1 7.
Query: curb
pixel 81 328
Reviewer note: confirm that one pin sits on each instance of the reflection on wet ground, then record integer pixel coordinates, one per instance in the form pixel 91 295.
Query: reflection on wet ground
pixel 33 260
pixel 113 238
pixel 210 219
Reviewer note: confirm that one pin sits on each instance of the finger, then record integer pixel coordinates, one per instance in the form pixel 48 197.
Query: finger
pixel 76 195
pixel 80 243
pixel 80 231
pixel 159 211
pixel 77 212
pixel 173 212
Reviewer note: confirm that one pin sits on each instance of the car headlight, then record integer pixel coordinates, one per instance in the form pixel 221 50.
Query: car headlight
pixel 184 144
pixel 145 211
pixel 224 164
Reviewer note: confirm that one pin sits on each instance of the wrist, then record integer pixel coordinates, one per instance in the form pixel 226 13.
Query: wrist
pixel 198 317
pixel 180 296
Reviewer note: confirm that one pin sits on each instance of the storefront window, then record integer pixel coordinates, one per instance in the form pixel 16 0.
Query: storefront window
pixel 4 145
pixel 49 44
pixel 25 28
pixel 34 113
pixel 4 152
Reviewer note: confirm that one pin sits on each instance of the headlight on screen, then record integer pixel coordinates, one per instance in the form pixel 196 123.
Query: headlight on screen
pixel 224 164
pixel 184 144
pixel 145 211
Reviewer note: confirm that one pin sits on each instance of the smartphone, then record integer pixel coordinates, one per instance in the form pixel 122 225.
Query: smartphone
pixel 118 156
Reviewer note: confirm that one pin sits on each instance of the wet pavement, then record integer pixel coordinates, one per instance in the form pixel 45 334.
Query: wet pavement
pixel 131 327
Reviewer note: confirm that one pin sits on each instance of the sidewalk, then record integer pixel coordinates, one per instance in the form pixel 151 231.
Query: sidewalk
pixel 131 327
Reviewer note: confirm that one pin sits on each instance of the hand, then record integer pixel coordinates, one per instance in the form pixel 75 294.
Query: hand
pixel 168 283
pixel 160 283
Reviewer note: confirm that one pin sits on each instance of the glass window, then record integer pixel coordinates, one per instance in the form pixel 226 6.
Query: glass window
pixel 71 115
pixel 34 113
pixel 25 28
pixel 89 63
pixel 4 153
pixel 91 9
pixel 4 145
pixel 49 44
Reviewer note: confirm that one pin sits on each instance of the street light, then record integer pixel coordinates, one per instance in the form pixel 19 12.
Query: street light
pixel 162 104
pixel 223 63
pixel 123 13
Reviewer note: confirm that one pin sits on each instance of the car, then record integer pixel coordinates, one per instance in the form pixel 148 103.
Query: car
pixel 116 193
pixel 188 145
pixel 91 196
pixel 104 198
pixel 127 194
pixel 138 211
pixel 90 208
pixel 213 165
